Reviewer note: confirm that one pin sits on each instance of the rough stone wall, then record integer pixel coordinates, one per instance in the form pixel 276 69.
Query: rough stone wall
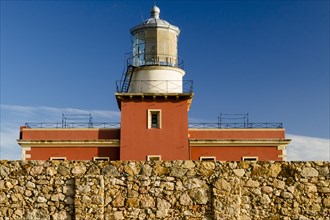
pixel 164 190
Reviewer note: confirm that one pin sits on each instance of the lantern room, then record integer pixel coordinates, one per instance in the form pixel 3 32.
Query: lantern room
pixel 155 42
pixel 154 66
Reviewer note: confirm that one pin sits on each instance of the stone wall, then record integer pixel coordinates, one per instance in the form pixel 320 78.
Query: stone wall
pixel 164 190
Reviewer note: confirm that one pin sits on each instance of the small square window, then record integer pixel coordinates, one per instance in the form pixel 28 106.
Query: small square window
pixel 207 158
pixel 154 118
pixel 153 157
pixel 101 158
pixel 250 158
pixel 57 158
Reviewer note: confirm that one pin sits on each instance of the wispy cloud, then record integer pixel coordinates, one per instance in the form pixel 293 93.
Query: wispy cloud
pixel 14 116
pixel 302 148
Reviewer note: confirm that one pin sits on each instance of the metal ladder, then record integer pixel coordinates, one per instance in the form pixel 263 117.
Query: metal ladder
pixel 127 79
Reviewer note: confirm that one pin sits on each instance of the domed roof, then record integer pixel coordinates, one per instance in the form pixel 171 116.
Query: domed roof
pixel 155 21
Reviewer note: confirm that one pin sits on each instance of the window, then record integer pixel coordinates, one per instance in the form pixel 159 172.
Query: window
pixel 250 158
pixel 57 158
pixel 153 157
pixel 207 158
pixel 154 118
pixel 101 158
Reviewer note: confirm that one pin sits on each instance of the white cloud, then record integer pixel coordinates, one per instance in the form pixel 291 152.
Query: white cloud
pixel 14 116
pixel 303 148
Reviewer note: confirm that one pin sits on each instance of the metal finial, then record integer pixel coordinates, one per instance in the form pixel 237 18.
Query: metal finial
pixel 155 11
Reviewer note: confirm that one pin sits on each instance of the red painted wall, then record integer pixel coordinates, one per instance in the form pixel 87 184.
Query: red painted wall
pixel 137 141
pixel 69 134
pixel 73 153
pixel 237 134
pixel 236 153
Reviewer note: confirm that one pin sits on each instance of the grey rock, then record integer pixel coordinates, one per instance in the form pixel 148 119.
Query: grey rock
pixel 79 169
pixel 37 170
pixel 199 195
pixel 118 215
pixel 178 172
pixel 193 183
pixel 265 200
pixel 188 164
pixel 63 170
pixel 309 172
pixel 239 172
pixel 251 183
pixel 110 170
pixel 185 200
pixel 146 170
pixel 36 214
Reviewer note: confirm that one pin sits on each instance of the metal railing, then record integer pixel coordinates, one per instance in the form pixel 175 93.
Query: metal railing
pixel 117 125
pixel 73 125
pixel 237 125
pixel 157 86
pixel 144 59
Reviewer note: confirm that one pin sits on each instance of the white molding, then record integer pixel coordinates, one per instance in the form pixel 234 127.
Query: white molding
pixel 24 155
pixel 283 149
pixel 101 158
pixel 57 158
pixel 249 158
pixel 207 158
pixel 150 156
pixel 149 118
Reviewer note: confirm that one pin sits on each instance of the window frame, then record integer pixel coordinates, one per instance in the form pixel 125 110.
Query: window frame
pixel 207 158
pixel 150 114
pixel 154 156
pixel 58 158
pixel 101 158
pixel 250 159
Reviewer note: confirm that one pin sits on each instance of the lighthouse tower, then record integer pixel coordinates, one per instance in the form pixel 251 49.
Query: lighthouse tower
pixel 153 97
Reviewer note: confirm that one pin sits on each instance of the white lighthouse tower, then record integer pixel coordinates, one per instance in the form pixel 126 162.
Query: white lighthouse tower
pixel 154 66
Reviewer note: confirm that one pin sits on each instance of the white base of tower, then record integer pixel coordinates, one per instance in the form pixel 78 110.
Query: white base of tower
pixel 156 79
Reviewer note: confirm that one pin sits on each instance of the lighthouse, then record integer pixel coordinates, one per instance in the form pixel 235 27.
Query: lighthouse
pixel 154 101
pixel 153 97
pixel 154 66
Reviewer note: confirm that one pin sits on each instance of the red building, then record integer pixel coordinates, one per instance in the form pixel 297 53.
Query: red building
pixel 154 101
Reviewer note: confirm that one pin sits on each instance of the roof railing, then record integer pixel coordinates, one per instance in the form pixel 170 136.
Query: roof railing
pixel 117 125
pixel 236 125
pixel 73 125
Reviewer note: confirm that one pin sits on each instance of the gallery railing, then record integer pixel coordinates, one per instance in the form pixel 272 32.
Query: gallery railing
pixel 73 125
pixel 237 125
pixel 117 125
pixel 144 59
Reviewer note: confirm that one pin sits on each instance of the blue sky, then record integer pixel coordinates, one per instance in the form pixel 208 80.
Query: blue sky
pixel 266 58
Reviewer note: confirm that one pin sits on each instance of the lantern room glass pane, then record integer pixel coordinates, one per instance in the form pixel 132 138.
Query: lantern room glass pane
pixel 138 49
